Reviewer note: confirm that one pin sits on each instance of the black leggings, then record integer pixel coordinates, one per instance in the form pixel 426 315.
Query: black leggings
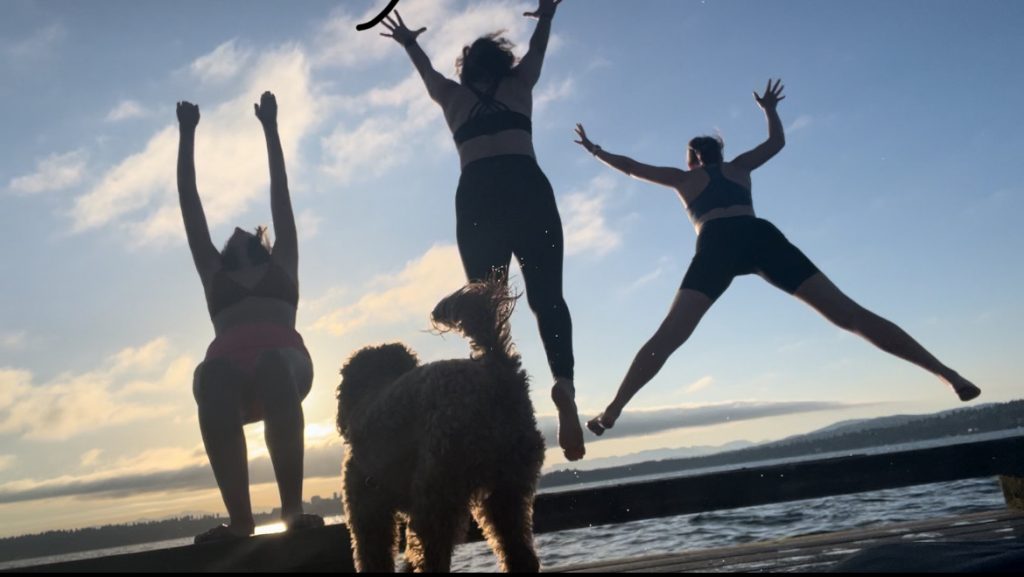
pixel 505 206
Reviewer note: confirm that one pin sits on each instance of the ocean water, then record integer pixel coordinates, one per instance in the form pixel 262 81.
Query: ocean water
pixel 698 531
pixel 737 526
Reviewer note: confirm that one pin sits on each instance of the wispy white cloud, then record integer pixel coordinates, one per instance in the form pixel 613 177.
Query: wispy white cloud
pixel 55 172
pixel 224 63
pixel 643 422
pixel 140 192
pixel 12 341
pixel 700 384
pixel 586 227
pixel 308 224
pixel 404 296
pixel 664 264
pixel 801 122
pixel 71 404
pixel 6 461
pixel 553 92
pixel 125 110
pixel 40 43
pixel 90 457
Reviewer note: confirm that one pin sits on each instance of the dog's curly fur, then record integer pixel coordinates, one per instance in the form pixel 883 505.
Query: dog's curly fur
pixel 434 444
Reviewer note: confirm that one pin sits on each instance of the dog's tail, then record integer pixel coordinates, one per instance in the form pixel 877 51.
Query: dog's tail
pixel 481 311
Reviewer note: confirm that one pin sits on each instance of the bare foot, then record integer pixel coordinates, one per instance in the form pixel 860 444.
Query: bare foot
pixel 601 423
pixel 964 389
pixel 570 433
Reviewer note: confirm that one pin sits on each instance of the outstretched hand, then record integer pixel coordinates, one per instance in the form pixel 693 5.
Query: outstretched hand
pixel 584 141
pixel 188 114
pixel 266 110
pixel 399 31
pixel 772 95
pixel 546 8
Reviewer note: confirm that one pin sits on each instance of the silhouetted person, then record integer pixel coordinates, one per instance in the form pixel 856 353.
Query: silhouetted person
pixel 504 204
pixel 257 367
pixel 731 241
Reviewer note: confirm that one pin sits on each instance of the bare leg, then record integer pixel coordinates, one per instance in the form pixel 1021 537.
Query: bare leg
pixel 819 292
pixel 687 309
pixel 217 390
pixel 283 425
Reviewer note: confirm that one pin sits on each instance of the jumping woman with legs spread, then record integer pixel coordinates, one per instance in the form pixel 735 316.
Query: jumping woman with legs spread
pixel 504 204
pixel 731 241
pixel 257 367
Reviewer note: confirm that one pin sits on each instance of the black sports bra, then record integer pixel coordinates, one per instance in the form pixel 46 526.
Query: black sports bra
pixel 275 283
pixel 490 116
pixel 719 193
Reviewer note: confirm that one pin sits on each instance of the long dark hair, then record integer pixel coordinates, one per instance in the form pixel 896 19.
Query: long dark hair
pixel 257 248
pixel 488 58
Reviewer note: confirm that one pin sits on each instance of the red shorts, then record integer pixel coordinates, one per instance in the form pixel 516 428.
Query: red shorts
pixel 243 345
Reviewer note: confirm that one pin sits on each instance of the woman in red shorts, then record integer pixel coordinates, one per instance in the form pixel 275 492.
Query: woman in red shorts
pixel 257 367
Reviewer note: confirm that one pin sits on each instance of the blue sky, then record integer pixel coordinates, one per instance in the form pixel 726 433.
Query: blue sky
pixel 898 179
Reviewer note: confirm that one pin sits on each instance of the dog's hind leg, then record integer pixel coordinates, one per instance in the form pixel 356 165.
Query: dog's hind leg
pixel 371 524
pixel 439 523
pixel 506 519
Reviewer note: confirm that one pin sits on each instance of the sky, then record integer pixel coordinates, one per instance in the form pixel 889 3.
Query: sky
pixel 899 180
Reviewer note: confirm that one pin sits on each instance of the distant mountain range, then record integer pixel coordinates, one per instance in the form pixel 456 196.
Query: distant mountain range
pixel 850 436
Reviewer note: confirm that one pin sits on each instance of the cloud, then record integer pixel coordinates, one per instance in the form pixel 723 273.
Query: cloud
pixel 308 224
pixel 12 341
pixel 700 384
pixel 223 64
pixel 140 193
pixel 161 470
pixel 89 457
pixel 6 461
pixel 586 229
pixel 126 109
pixel 55 172
pixel 40 44
pixel 552 92
pixel 72 404
pixel 403 296
pixel 639 423
pixel 802 121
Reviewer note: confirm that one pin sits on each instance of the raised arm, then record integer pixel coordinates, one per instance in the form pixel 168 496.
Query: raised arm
pixel 286 244
pixel 663 175
pixel 528 69
pixel 438 87
pixel 204 254
pixel 776 138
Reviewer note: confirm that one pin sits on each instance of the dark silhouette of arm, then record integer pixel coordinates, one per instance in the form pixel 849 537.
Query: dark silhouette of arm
pixel 529 68
pixel 776 136
pixel 438 87
pixel 663 175
pixel 286 244
pixel 204 254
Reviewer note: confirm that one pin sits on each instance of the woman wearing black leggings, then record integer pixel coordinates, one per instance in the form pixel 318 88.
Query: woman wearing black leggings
pixel 504 204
